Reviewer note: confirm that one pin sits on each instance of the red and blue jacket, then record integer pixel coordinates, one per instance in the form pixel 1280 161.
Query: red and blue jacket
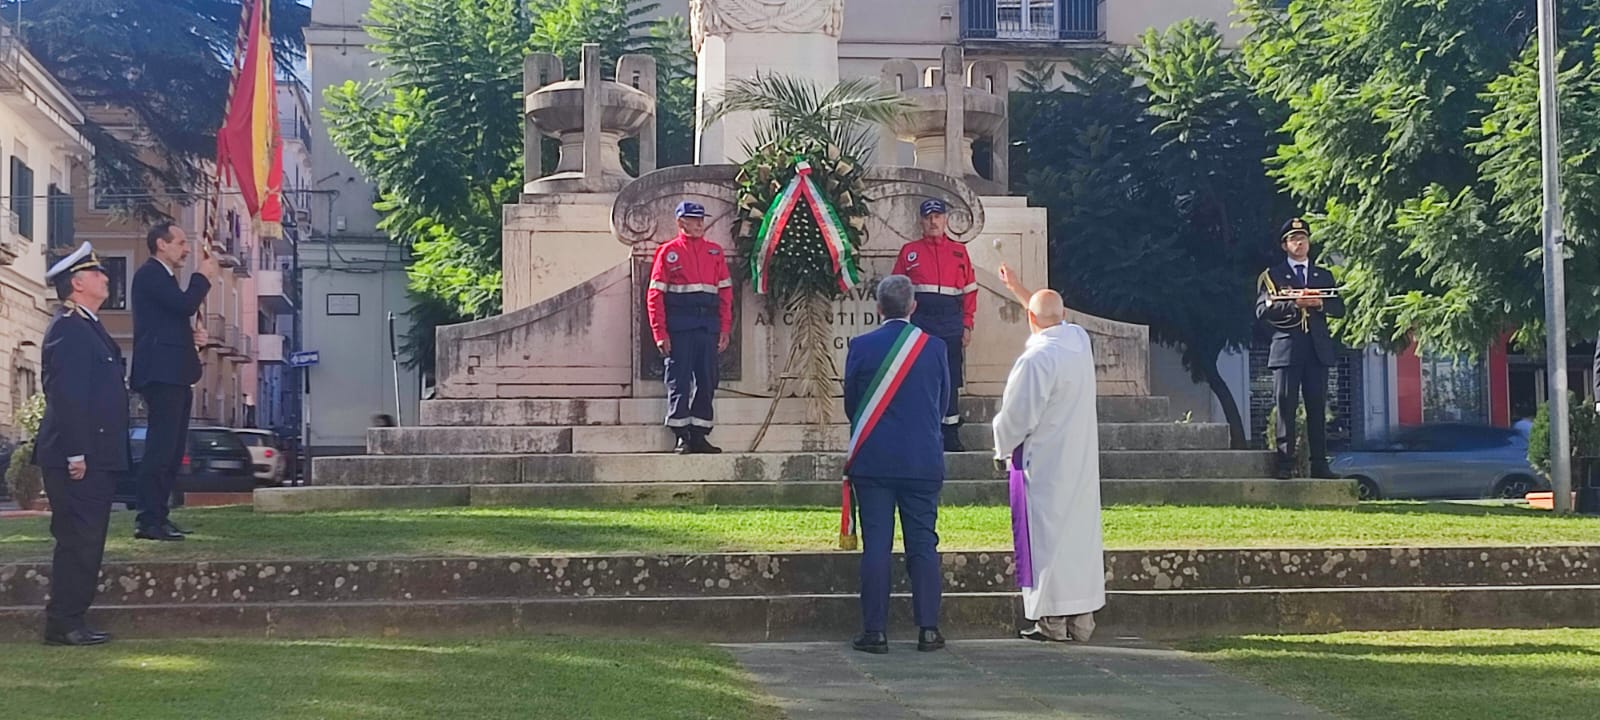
pixel 947 289
pixel 690 288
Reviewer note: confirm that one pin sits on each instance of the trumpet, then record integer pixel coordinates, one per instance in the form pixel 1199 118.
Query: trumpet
pixel 1304 294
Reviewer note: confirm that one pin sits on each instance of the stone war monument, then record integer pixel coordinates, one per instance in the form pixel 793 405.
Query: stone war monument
pixel 559 400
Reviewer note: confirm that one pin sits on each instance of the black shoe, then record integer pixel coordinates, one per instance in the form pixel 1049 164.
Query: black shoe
pixel 930 640
pixel 699 445
pixel 161 533
pixel 682 448
pixel 172 527
pixel 952 439
pixel 77 638
pixel 1284 470
pixel 871 642
pixel 1323 472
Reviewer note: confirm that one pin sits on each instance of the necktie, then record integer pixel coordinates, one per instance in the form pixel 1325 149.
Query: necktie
pixel 1300 275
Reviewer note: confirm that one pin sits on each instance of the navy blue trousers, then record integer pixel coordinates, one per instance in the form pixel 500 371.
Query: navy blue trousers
pixel 691 377
pixel 918 502
pixel 955 356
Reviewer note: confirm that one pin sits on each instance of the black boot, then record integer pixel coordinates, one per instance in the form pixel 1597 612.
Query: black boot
pixel 952 438
pixel 698 443
pixel 682 447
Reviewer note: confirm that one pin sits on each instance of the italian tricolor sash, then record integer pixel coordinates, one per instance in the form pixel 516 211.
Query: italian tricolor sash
pixel 885 383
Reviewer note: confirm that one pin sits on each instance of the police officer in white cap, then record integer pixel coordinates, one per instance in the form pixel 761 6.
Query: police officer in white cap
pixel 82 442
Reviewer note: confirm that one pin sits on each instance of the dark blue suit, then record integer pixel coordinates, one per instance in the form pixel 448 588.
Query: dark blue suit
pixel 85 413
pixel 165 367
pixel 901 464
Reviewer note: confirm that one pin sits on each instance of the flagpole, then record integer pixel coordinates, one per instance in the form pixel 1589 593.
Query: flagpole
pixel 1555 291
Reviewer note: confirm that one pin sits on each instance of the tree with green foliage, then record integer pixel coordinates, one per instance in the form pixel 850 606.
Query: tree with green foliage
pixel 1413 145
pixel 163 62
pixel 1161 211
pixel 441 134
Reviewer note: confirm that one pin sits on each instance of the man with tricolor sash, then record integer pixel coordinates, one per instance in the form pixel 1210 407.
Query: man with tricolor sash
pixel 690 307
pixel 947 301
pixel 896 389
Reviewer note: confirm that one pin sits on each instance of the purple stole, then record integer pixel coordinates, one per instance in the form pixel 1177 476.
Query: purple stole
pixel 1019 521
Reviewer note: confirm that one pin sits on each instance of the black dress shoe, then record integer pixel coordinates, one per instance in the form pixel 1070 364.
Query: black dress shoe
pixel 871 642
pixel 172 527
pixel 1324 473
pixel 930 640
pixel 77 638
pixel 161 533
pixel 1284 471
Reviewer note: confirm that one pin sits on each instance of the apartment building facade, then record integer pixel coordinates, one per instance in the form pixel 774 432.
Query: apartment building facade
pixel 228 389
pixel 42 154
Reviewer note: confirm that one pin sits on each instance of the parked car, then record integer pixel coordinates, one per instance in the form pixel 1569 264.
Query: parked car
pixel 266 454
pixel 215 461
pixel 1445 460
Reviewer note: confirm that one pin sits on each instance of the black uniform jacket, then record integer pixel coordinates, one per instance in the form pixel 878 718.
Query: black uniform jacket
pixel 85 396
pixel 1299 336
pixel 163 339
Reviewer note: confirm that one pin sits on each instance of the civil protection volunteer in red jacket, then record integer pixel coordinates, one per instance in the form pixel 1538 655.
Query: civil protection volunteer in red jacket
pixel 947 300
pixel 690 304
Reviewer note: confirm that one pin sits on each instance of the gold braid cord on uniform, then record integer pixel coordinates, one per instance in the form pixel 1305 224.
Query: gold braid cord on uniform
pixel 1264 284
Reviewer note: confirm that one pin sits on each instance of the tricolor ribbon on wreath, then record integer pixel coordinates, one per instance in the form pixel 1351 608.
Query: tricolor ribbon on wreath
pixel 885 383
pixel 831 226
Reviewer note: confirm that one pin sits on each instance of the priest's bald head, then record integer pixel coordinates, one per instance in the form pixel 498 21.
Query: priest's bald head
pixel 1046 310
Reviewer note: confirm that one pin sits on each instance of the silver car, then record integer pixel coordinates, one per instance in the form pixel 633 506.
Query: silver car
pixel 1442 461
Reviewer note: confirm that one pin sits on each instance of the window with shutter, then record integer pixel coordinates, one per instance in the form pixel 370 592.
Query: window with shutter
pixel 22 196
pixel 61 231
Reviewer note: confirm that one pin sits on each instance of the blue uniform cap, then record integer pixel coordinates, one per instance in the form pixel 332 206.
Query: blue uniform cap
pixel 688 209
pixel 930 207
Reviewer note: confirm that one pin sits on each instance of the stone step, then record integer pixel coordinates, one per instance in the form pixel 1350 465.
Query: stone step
pixel 729 411
pixel 734 467
pixel 1214 491
pixel 1157 614
pixel 792 573
pixel 616 439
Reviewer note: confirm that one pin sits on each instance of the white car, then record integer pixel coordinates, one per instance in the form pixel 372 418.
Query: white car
pixel 266 454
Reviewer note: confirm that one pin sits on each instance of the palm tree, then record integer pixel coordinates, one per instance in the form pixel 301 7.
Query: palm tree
pixel 796 109
pixel 795 117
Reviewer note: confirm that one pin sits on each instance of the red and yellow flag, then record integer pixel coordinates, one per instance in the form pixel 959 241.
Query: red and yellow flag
pixel 249 146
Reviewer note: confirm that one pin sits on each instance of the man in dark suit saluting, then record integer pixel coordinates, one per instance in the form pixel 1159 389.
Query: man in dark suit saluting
pixel 166 364
pixel 82 442
pixel 1302 348
pixel 896 390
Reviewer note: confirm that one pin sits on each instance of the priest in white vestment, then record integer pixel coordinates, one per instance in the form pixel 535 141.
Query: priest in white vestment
pixel 1048 410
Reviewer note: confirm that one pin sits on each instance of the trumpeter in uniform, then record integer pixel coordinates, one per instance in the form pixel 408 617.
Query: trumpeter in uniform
pixel 947 301
pixel 690 307
pixel 82 442
pixel 1302 348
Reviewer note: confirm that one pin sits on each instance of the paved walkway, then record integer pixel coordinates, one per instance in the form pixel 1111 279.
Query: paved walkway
pixel 1006 680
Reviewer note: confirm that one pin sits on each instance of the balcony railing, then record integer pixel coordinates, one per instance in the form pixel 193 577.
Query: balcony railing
pixel 12 243
pixel 269 348
pixel 292 127
pixel 1031 20
pixel 216 332
pixel 246 351
pixel 272 292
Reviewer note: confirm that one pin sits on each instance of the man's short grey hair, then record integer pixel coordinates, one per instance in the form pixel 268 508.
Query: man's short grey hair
pixel 895 296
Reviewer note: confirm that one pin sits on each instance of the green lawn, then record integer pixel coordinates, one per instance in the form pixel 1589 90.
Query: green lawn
pixel 239 534
pixel 1460 674
pixel 543 678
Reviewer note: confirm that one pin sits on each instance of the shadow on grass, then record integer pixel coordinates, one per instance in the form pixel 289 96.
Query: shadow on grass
pixel 244 680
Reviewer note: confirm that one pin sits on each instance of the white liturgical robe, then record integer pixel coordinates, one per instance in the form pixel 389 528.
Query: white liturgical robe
pixel 1049 407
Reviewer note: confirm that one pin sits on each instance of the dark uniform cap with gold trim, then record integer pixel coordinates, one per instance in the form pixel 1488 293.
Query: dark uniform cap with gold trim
pixel 1294 225
pixel 61 272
